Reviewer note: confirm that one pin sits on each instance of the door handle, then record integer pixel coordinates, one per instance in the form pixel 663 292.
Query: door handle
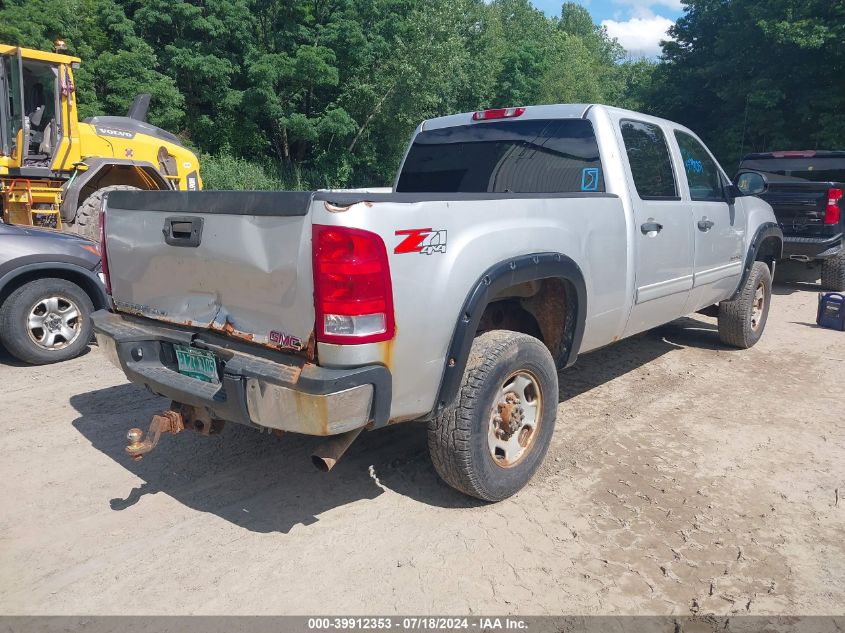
pixel 183 231
pixel 651 227
pixel 705 225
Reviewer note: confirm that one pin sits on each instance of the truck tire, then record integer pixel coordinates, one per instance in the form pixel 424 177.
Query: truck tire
pixel 491 440
pixel 86 222
pixel 742 320
pixel 46 321
pixel 833 273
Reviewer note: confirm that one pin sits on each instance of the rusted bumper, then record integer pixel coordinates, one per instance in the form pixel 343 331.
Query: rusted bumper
pixel 257 388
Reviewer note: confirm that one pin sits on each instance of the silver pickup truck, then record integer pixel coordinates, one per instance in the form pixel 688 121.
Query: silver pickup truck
pixel 512 241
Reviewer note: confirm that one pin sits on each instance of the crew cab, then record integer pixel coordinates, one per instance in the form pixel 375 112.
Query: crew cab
pixel 512 241
pixel 805 189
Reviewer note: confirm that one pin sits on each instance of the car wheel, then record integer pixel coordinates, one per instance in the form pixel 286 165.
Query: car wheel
pixel 491 441
pixel 46 321
pixel 742 320
pixel 86 222
pixel 833 273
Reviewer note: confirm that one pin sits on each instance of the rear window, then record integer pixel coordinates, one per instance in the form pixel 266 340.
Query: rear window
pixel 814 169
pixel 533 156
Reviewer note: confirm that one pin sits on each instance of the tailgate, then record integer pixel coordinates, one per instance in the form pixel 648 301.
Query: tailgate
pixel 799 207
pixel 234 261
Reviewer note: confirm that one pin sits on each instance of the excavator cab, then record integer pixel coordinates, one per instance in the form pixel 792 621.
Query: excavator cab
pixel 33 117
pixel 30 125
pixel 54 168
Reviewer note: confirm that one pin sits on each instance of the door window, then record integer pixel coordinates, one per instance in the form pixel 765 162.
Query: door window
pixel 703 177
pixel 648 156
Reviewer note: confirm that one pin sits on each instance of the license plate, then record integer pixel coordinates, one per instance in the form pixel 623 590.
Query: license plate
pixel 197 363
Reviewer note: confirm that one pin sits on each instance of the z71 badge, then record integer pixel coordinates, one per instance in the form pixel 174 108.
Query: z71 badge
pixel 425 241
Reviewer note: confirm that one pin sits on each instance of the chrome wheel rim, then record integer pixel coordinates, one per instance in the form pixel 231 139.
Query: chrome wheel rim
pixel 54 322
pixel 758 306
pixel 515 419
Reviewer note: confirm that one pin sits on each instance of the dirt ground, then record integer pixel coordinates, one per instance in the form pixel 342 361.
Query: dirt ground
pixel 683 478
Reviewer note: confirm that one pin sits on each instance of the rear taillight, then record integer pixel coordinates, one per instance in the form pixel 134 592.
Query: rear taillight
pixel 104 260
pixel 497 113
pixel 832 212
pixel 353 298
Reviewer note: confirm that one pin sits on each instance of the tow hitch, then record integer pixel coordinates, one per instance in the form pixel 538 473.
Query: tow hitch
pixel 174 420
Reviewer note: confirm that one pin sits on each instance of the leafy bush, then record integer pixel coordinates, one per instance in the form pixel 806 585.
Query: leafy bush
pixel 224 171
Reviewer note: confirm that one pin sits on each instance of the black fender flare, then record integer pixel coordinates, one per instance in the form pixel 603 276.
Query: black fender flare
pixel 495 279
pixel 90 282
pixel 74 186
pixel 764 231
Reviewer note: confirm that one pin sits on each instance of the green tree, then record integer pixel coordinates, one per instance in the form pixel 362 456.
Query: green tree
pixel 756 74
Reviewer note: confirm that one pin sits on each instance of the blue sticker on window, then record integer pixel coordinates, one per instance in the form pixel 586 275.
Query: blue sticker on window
pixel 590 179
pixel 694 166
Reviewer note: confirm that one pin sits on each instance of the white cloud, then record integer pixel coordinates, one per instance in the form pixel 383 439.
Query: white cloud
pixel 640 36
pixel 643 8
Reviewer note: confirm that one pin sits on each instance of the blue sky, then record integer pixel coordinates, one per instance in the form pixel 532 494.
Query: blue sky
pixel 638 24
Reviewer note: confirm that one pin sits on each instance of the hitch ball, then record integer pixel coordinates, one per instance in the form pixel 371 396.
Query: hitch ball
pixel 133 437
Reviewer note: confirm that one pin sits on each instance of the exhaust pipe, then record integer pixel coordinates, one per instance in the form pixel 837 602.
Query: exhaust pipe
pixel 799 258
pixel 327 454
pixel 139 108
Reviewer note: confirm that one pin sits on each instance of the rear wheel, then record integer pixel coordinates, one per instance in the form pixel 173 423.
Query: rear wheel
pixel 741 321
pixel 491 441
pixel 86 222
pixel 833 273
pixel 46 321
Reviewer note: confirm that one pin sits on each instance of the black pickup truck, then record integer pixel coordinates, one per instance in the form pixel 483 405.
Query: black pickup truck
pixel 806 192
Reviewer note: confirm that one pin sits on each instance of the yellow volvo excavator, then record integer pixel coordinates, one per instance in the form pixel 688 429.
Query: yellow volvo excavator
pixel 55 169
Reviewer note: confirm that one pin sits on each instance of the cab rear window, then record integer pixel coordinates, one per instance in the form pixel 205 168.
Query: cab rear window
pixel 532 156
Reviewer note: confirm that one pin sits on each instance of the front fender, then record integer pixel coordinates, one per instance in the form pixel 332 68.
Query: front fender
pixel 83 277
pixel 767 230
pixel 96 166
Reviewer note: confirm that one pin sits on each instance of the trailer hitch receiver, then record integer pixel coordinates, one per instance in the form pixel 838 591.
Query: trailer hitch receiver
pixel 169 421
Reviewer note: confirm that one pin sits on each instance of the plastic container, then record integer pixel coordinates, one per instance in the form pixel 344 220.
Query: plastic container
pixel 831 313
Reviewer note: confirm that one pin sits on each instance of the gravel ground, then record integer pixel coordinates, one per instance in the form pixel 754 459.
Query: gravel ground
pixel 683 478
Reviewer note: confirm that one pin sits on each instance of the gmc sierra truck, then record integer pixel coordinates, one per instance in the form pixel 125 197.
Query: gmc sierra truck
pixel 805 189
pixel 513 240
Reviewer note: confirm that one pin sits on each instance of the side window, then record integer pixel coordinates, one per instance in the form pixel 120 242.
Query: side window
pixel 705 182
pixel 648 155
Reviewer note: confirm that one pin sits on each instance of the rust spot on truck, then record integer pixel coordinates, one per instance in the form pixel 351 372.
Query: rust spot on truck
pixel 342 208
pixel 230 330
pixel 385 350
pixel 318 408
pixel 310 349
pixel 336 208
pixel 546 307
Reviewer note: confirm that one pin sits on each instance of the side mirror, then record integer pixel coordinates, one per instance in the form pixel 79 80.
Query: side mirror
pixel 751 183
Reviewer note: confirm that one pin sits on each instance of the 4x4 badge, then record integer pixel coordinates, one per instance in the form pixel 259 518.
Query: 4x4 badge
pixel 425 241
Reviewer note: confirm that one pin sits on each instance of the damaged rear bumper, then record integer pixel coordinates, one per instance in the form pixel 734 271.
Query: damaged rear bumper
pixel 257 388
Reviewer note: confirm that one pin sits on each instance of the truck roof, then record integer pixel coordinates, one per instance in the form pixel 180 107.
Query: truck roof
pixel 552 111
